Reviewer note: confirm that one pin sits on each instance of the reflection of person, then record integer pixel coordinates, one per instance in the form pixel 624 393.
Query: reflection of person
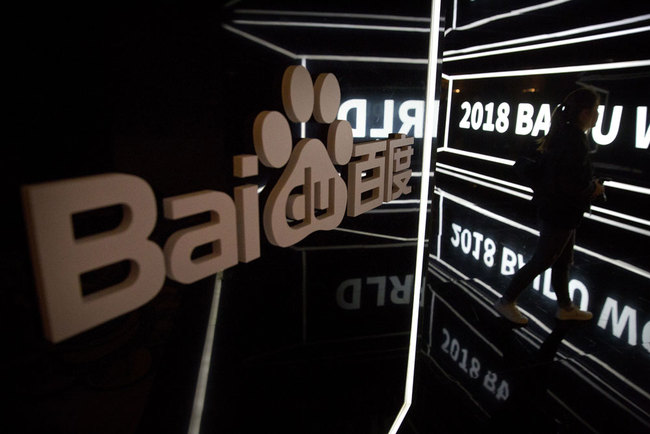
pixel 562 194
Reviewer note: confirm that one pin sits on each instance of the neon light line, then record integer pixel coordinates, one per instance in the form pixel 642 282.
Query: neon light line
pixel 206 358
pixel 260 41
pixel 303 125
pixel 431 120
pixel 603 392
pixel 561 34
pixel 458 272
pixel 450 87
pixel 440 215
pixel 620 215
pixel 486 184
pixel 333 15
pixel 618 224
pixel 510 14
pixel 392 211
pixel 547 44
pixel 628 187
pixel 374 234
pixel 333 58
pixel 333 26
pixel 571 411
pixel 553 70
pixel 357 246
pixel 477 156
pixel 372 59
pixel 489 178
pixel 433 303
pixel 606 384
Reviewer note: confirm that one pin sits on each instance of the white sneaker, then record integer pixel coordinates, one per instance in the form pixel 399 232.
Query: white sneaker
pixel 572 313
pixel 510 312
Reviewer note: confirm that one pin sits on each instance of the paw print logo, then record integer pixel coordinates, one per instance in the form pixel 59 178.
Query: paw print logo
pixel 310 194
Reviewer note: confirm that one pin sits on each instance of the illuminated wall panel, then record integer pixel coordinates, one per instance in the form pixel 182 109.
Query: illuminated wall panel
pixel 500 94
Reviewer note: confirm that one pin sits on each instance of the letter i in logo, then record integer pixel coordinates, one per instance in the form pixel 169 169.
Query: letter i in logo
pixel 247 205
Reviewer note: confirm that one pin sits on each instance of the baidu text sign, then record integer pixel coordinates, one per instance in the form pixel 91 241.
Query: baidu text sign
pixel 310 196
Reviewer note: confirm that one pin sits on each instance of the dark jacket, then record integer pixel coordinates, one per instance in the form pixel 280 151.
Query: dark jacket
pixel 566 184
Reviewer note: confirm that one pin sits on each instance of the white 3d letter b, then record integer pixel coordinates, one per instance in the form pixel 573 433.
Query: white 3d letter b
pixel 59 258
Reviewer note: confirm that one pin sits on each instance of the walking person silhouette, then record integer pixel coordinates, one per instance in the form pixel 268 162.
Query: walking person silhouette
pixel 563 192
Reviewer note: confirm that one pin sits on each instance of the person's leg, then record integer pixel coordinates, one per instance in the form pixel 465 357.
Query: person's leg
pixel 550 246
pixel 560 281
pixel 560 273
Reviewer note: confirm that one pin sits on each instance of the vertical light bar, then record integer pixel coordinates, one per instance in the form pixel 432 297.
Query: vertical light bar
pixel 450 90
pixel 206 360
pixel 303 125
pixel 431 113
pixel 453 23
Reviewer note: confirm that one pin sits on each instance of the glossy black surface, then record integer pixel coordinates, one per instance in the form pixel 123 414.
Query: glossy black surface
pixel 314 338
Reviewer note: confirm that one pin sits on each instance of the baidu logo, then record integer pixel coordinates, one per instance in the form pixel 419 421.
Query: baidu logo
pixel 311 195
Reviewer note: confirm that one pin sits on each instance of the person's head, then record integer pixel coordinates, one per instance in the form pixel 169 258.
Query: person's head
pixel 579 108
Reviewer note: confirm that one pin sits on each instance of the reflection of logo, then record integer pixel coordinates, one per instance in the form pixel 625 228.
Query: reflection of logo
pixel 310 195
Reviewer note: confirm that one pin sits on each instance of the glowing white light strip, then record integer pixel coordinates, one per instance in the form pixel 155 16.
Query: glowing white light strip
pixel 621 264
pixel 607 385
pixel 373 59
pixel 455 15
pixel 489 178
pixel 604 392
pixel 439 245
pixel 620 215
pixel 392 211
pixel 431 113
pixel 547 44
pixel 433 303
pixel 303 125
pixel 261 41
pixel 374 234
pixel 570 410
pixel 628 187
pixel 333 15
pixel 477 156
pixel 446 264
pixel 333 26
pixel 358 246
pixel 618 224
pixel 450 87
pixel 510 14
pixel 333 58
pixel 206 358
pixel 486 184
pixel 553 70
pixel 561 34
